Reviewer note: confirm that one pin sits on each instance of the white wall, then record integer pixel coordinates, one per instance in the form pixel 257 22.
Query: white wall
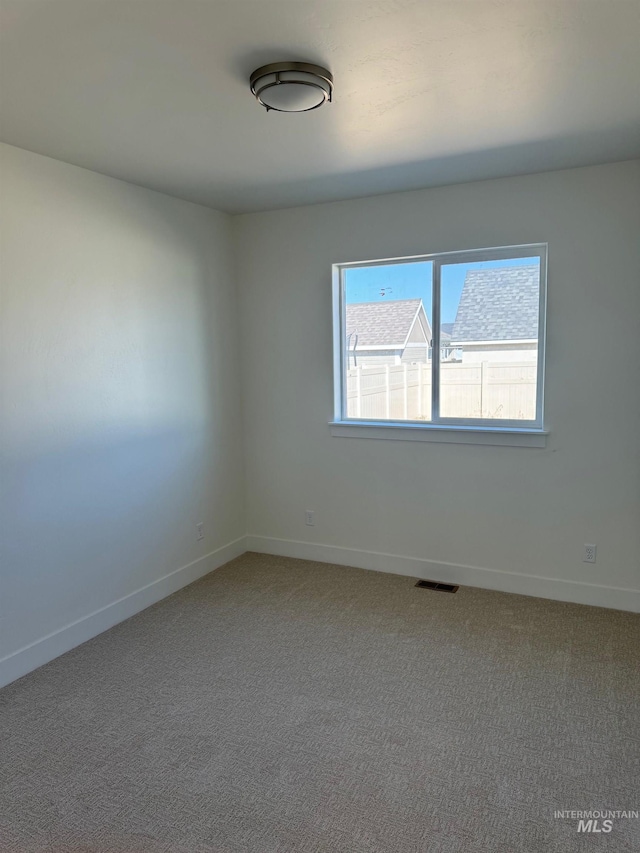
pixel 120 401
pixel 121 410
pixel 503 517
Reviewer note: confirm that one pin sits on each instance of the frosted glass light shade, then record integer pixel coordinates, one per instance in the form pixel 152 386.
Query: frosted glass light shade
pixel 292 87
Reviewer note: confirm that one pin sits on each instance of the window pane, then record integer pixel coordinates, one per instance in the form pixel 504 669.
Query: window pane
pixel 387 341
pixel 489 339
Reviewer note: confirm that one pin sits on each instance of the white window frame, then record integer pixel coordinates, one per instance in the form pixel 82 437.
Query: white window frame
pixel 529 433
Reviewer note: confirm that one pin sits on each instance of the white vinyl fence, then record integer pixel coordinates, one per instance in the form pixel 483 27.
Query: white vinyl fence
pixel 482 390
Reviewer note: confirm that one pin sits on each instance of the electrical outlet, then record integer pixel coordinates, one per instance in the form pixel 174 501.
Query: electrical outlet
pixel 199 530
pixel 310 518
pixel 589 554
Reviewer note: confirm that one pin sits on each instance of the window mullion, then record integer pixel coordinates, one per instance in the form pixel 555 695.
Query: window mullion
pixel 435 344
pixel 340 360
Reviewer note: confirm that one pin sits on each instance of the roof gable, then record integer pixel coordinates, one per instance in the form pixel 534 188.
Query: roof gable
pixel 499 305
pixel 378 324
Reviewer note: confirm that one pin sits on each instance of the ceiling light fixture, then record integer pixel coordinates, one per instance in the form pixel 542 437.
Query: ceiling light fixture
pixel 292 87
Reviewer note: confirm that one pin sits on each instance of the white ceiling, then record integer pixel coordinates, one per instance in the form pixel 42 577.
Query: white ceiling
pixel 427 93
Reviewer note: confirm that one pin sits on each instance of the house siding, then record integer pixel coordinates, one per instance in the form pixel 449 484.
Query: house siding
pixel 419 334
pixel 493 351
pixel 373 358
pixel 413 353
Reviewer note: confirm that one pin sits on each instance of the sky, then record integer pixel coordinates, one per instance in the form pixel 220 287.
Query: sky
pixel 413 280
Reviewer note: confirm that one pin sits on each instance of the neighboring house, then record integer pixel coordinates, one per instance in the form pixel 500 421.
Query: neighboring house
pixel 387 332
pixel 446 330
pixel 447 351
pixel 497 318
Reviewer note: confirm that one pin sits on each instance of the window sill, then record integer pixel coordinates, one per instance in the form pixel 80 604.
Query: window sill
pixel 502 436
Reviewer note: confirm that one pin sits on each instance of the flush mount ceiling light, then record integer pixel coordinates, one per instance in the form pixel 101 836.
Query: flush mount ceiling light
pixel 292 87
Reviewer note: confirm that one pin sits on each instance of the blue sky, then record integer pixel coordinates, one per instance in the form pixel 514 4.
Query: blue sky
pixel 413 280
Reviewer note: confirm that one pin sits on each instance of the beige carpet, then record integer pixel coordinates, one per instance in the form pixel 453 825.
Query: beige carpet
pixel 280 705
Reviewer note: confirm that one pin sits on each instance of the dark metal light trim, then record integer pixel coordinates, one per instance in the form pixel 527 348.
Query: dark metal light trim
pixel 304 67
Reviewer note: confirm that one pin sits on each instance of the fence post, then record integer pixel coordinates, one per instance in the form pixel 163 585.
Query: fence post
pixel 358 391
pixel 484 387
pixel 405 380
pixel 387 387
pixel 419 389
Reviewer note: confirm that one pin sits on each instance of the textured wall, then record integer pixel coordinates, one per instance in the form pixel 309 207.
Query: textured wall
pixel 119 391
pixel 517 510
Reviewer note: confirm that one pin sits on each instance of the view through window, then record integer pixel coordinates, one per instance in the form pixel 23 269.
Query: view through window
pixel 450 339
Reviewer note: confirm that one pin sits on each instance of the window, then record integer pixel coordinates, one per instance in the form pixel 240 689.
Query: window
pixel 451 342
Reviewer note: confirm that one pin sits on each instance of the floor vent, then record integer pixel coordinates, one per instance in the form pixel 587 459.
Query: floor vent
pixel 441 587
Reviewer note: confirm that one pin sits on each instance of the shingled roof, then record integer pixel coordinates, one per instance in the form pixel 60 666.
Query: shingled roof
pixel 445 332
pixel 498 305
pixel 381 323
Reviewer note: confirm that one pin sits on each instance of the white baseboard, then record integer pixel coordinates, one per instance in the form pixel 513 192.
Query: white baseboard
pixel 53 645
pixel 541 587
pixel 47 648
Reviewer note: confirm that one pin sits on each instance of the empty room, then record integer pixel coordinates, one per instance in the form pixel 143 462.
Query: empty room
pixel 319 423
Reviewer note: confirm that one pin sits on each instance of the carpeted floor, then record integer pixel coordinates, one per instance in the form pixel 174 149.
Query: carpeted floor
pixel 282 706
